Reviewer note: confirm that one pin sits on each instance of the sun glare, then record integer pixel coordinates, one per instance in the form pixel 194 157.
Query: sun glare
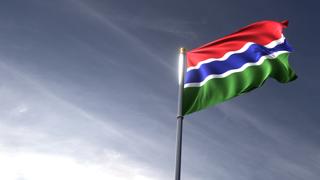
pixel 34 166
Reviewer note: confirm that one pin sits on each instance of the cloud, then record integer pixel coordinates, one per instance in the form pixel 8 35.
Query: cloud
pixel 176 27
pixel 39 166
pixel 43 136
pixel 130 38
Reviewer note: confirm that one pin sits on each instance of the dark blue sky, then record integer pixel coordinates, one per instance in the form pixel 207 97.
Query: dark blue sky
pixel 88 90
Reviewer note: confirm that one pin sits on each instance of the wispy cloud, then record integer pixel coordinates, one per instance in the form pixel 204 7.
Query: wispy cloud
pixel 38 166
pixel 177 27
pixel 41 131
pixel 137 43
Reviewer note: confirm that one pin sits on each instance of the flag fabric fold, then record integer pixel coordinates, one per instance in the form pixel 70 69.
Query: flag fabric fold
pixel 236 64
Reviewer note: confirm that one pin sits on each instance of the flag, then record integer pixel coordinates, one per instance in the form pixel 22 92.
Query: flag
pixel 236 64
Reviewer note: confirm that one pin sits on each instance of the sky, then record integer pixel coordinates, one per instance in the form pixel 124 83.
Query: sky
pixel 88 90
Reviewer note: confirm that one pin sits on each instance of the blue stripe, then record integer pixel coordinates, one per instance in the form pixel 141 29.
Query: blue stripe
pixel 235 61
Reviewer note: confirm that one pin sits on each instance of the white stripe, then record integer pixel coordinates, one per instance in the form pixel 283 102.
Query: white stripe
pixel 243 49
pixel 259 62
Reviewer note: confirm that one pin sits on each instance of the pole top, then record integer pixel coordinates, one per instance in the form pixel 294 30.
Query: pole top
pixel 182 50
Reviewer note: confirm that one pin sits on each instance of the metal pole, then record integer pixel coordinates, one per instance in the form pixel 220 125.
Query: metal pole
pixel 182 57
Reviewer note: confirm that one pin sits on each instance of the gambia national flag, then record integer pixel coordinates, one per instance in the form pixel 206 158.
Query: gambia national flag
pixel 236 64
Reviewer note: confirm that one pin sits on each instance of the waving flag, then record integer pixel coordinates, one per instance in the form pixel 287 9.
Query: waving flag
pixel 236 64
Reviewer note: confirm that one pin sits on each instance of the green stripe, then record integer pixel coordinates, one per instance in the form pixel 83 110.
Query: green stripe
pixel 218 90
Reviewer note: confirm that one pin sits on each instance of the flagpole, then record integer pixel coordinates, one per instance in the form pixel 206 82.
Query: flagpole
pixel 182 59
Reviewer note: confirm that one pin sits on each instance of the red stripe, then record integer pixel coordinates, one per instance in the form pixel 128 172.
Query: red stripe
pixel 261 33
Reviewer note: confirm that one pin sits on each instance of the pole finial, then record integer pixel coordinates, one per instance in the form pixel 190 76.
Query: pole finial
pixel 182 50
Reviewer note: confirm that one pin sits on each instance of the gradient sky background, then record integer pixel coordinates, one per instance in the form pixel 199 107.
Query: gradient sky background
pixel 88 90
